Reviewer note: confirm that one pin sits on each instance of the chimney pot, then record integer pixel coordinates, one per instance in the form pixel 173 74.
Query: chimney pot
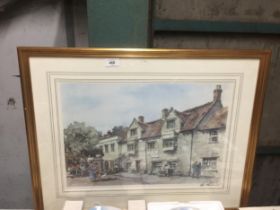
pixel 217 93
pixel 164 113
pixel 141 118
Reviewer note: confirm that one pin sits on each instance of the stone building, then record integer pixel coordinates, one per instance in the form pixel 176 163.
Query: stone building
pixel 178 141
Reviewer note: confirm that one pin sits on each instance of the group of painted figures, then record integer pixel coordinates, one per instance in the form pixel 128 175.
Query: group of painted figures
pixel 93 170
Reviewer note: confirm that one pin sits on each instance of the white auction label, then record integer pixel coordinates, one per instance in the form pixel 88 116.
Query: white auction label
pixel 112 62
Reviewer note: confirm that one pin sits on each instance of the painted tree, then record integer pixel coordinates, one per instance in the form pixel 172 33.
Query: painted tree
pixel 80 141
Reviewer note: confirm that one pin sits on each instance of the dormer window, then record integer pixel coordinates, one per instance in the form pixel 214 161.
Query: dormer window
pixel 133 132
pixel 213 136
pixel 170 124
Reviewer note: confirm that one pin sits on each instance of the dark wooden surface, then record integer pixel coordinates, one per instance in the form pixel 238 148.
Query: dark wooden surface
pixel 266 181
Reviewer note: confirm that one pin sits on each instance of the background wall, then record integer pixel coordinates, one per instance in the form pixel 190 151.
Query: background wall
pixel 266 182
pixel 269 134
pixel 24 24
pixel 230 10
pixel 64 23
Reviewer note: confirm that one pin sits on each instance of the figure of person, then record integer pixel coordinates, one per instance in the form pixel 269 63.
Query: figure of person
pixel 83 167
pixel 194 169
pixel 116 168
pixel 166 169
pixel 76 169
pixel 92 171
pixel 198 169
pixel 98 171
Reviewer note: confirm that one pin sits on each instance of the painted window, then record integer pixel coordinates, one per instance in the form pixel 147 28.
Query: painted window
pixel 213 136
pixel 112 147
pixel 133 132
pixel 168 143
pixel 156 167
pixel 170 124
pixel 209 162
pixel 106 148
pixel 151 145
pixel 130 147
pixel 173 164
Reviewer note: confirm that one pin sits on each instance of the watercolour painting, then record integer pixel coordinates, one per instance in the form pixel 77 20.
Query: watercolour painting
pixel 165 133
pixel 111 125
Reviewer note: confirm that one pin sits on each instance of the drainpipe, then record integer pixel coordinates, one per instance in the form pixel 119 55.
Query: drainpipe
pixel 146 147
pixel 190 172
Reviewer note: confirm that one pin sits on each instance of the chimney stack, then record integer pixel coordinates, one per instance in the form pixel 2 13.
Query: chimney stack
pixel 141 118
pixel 164 113
pixel 217 93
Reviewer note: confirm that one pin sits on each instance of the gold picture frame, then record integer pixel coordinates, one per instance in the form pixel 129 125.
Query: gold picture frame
pixel 49 74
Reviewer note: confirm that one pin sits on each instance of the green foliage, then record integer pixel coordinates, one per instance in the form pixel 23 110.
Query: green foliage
pixel 80 141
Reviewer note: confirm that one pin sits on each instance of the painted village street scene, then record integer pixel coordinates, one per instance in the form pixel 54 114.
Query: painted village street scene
pixel 179 147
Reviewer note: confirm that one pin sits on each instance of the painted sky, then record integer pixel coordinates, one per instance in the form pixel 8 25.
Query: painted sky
pixel 105 105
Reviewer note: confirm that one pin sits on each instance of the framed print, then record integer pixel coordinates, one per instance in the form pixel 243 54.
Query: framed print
pixel 110 125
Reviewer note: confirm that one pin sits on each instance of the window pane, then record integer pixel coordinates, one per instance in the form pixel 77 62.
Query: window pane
pixel 106 148
pixel 133 132
pixel 112 147
pixel 170 124
pixel 213 136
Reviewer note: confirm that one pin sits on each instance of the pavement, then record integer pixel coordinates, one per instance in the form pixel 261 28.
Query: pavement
pixel 133 179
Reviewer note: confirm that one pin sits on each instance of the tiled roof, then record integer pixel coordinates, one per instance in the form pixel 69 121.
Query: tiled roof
pixel 191 117
pixel 152 129
pixel 217 120
pixel 190 120
pixel 121 134
pixel 105 136
pixel 142 125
